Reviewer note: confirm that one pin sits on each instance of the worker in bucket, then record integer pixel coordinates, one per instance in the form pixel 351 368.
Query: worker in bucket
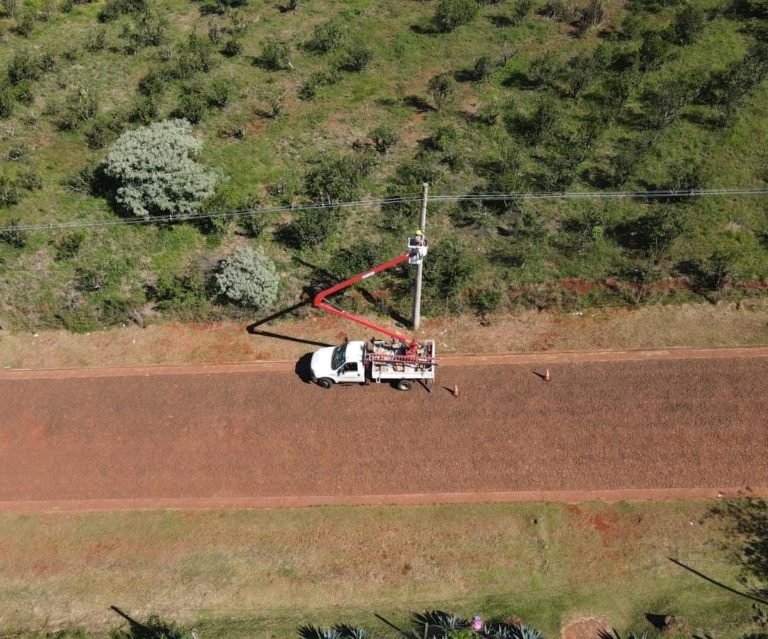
pixel 477 623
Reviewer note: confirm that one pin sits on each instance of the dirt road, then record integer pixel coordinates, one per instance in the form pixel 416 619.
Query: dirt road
pixel 630 426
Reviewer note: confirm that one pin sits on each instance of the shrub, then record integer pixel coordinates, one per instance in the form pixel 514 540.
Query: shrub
pixel 590 16
pixel 544 70
pixel 354 57
pixel 113 9
pixel 482 68
pixel 449 272
pixel 337 179
pixel 218 93
pixel 6 101
pixel 96 40
pixel 25 21
pixel 310 228
pixel 156 170
pixel 153 83
pixel 327 36
pixel 249 278
pixel 79 106
pixel 232 47
pixel 194 56
pixel 23 66
pixel 144 110
pixel 183 295
pixel 13 235
pixel 29 180
pixel 653 51
pixel 23 92
pixel 521 10
pixel 356 258
pixel 274 56
pixel 688 24
pixel 69 246
pixel 383 138
pixel 104 130
pixel 563 10
pixel 191 105
pixel 145 29
pixel 453 13
pixel 442 88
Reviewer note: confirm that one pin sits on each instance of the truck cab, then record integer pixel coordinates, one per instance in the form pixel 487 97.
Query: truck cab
pixel 342 364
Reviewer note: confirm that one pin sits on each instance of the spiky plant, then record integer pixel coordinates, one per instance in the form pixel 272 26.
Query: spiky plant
pixel 436 624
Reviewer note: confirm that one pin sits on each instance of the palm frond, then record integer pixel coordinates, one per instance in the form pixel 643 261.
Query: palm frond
pixel 314 632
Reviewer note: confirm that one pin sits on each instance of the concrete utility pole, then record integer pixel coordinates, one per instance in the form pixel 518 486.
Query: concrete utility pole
pixel 420 265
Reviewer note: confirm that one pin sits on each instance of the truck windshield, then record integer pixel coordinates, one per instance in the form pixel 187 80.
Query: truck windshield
pixel 337 358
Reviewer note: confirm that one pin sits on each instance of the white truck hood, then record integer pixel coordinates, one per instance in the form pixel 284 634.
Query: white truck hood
pixel 320 365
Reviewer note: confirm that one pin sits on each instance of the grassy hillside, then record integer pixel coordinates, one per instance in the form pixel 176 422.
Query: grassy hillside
pixel 538 98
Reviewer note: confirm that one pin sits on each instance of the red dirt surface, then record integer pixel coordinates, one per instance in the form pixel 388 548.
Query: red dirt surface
pixel 229 436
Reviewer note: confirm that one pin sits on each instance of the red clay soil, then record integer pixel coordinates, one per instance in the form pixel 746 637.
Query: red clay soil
pixel 240 436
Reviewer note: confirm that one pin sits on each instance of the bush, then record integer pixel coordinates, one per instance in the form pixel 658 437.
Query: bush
pixel 23 66
pixel 327 36
pixel 337 179
pixel 249 278
pixel 144 110
pixel 359 256
pixel 145 29
pixel 194 56
pixel 69 246
pixel 217 95
pixel 442 88
pixel 590 16
pixel 191 105
pixel 688 24
pixel 183 295
pixel 354 57
pixel 96 40
pixel 156 171
pixel 80 106
pixel 153 83
pixel 25 21
pixel 453 13
pixel 383 138
pixel 521 10
pixel 310 229
pixel 104 130
pixel 232 47
pixel 274 56
pixel 6 101
pixel 450 270
pixel 13 235
pixel 113 9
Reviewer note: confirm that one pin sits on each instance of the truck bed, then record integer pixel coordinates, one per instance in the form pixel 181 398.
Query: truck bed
pixel 389 363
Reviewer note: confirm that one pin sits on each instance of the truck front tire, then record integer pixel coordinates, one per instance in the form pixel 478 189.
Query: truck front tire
pixel 325 382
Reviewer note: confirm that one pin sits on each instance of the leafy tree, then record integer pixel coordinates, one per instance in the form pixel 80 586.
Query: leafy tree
pixel 383 138
pixel 454 13
pixel 327 36
pixel 12 235
pixel 145 29
pixel 688 24
pixel 449 272
pixel 664 104
pixel 156 172
pixel 80 106
pixel 337 179
pixel 249 278
pixel 653 51
pixel 310 228
pixel 354 56
pixel 442 88
pixel 274 56
pixel 194 56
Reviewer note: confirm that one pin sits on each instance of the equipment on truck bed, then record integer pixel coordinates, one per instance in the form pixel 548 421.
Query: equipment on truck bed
pixel 400 361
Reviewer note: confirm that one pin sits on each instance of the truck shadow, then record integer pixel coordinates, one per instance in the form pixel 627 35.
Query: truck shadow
pixel 302 369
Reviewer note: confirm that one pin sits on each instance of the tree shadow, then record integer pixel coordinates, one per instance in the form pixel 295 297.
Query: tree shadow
pixel 746 522
pixel 719 584
pixel 418 103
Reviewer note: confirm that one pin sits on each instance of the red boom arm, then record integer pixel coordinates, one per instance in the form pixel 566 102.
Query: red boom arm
pixel 319 300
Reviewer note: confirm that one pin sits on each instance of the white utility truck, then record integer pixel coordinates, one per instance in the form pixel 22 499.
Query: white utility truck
pixel 361 362
pixel 398 362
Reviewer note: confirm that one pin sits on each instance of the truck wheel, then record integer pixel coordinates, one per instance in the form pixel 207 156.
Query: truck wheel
pixel 325 382
pixel 404 385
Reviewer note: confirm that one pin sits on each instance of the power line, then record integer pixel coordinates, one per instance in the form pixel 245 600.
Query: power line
pixel 390 201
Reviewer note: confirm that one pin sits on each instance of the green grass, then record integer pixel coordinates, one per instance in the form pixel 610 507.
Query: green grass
pixel 267 165
pixel 240 573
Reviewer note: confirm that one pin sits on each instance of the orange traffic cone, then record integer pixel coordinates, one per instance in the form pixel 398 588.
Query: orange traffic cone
pixel 547 376
pixel 455 391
